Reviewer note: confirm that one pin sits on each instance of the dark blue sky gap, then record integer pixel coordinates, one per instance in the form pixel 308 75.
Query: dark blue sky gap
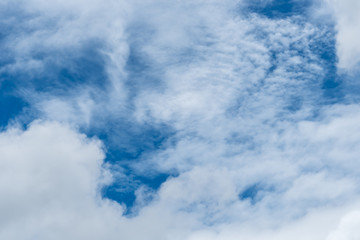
pixel 10 104
pixel 127 196
pixel 278 8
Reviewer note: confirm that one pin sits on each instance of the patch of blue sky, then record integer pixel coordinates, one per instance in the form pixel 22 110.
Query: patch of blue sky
pixel 10 104
pixel 126 143
pixel 84 67
pixel 251 193
pixel 325 48
pixel 62 74
pixel 125 147
pixel 350 86
pixel 124 190
pixel 63 68
pixel 141 73
pixel 279 8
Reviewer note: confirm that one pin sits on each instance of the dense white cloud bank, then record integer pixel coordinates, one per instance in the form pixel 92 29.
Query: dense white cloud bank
pixel 258 156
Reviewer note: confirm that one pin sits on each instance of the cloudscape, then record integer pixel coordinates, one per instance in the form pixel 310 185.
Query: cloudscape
pixel 179 120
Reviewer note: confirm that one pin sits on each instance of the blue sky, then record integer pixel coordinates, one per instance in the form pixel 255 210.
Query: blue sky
pixel 179 119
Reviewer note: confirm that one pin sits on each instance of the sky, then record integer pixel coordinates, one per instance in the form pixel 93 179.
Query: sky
pixel 179 120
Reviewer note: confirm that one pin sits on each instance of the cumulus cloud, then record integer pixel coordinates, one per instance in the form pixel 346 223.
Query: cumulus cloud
pixel 50 180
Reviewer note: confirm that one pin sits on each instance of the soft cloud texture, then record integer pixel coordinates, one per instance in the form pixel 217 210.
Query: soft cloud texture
pixel 347 24
pixel 50 180
pixel 348 228
pixel 253 146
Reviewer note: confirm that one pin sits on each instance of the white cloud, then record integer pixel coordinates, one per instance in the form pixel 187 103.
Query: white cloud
pixel 232 69
pixel 348 228
pixel 50 180
pixel 348 34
